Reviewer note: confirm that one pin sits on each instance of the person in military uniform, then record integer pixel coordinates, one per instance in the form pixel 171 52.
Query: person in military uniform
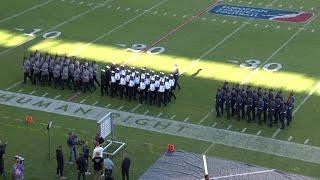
pixel 238 106
pixel 283 114
pixel 142 89
pixel 91 80
pixel 151 92
pixel 45 73
pixel 103 82
pixel 249 109
pixel 64 76
pixel 36 71
pixel 171 82
pixel 85 80
pixel 95 70
pixel 108 79
pixel 161 95
pixel 56 75
pixel 290 106
pixel 266 105
pixel 122 86
pixel 228 105
pixel 176 76
pixel 131 85
pixel 260 110
pixel 112 84
pixel 26 70
pixel 77 79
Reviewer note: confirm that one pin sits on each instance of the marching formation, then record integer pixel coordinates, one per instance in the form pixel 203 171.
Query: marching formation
pixel 81 75
pixel 254 105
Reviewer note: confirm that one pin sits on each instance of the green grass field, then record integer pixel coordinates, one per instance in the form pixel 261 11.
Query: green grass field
pixel 203 50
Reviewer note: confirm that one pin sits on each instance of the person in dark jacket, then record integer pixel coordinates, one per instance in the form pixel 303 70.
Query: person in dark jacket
pixel 60 162
pixel 125 166
pixel 81 167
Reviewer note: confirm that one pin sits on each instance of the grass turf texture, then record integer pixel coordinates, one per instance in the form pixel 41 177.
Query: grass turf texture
pixel 106 26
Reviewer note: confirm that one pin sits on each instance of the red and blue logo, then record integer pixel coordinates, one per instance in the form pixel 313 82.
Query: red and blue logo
pixel 262 13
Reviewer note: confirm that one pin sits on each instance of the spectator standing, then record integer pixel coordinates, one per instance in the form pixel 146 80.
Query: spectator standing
pixel 71 141
pixel 81 167
pixel 97 149
pixel 97 166
pixel 18 170
pixel 86 154
pixel 99 139
pixel 60 162
pixel 2 152
pixel 108 164
pixel 125 166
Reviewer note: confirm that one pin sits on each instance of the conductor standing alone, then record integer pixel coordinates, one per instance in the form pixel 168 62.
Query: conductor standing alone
pixel 125 167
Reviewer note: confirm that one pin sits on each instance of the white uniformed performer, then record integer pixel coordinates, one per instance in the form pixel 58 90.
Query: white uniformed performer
pixel 152 93
pixel 122 86
pixel 167 86
pixel 142 88
pixel 161 94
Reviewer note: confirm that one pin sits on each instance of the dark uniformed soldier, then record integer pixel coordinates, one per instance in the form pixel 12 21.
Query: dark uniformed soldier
pixel 45 73
pixel 26 70
pixel 289 111
pixel 271 112
pixel 56 75
pixel 218 102
pixel 91 81
pixel 223 98
pixel 161 95
pixel 277 110
pixel 51 68
pixel 266 105
pixel 260 110
pixel 244 103
pixel 117 78
pixel 233 100
pixel 136 84
pixel 71 73
pixel 249 109
pixel 228 105
pixel 238 106
pixel 255 101
pixel 283 114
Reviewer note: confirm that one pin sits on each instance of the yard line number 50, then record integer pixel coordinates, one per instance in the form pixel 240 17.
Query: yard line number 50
pixel 47 35
pixel 253 63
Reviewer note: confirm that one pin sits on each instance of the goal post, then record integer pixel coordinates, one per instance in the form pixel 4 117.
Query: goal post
pixel 105 127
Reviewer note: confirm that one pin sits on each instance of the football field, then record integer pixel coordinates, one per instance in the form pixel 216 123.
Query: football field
pixel 209 48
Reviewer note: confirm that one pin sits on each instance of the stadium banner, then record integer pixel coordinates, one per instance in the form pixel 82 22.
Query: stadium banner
pixel 261 13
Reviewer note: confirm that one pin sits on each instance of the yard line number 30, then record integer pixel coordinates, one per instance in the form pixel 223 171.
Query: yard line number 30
pixel 153 50
pixel 253 64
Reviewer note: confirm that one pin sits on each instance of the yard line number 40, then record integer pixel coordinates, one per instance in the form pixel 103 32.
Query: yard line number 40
pixel 253 64
pixel 47 35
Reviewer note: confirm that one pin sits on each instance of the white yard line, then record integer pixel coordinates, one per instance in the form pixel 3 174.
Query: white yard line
pixel 24 11
pixel 317 86
pixel 146 112
pixel 206 116
pixel 290 138
pixel 120 108
pixel 33 92
pixel 214 125
pixel 45 94
pixel 14 85
pixel 135 108
pixel 82 101
pixel 276 133
pixel 57 96
pixel 208 148
pixel 246 80
pixel 172 117
pixel 74 52
pixel 159 114
pixel 259 132
pixel 242 174
pixel 54 27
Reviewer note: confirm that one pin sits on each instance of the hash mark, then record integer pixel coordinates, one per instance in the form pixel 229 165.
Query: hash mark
pixel 108 105
pixel 258 133
pixel 82 101
pixel 159 114
pixel 120 107
pixel 186 119
pixel 229 127
pixel 215 124
pixel 306 141
pixel 146 112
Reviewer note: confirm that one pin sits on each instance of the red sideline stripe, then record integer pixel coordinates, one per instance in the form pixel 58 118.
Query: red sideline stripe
pixel 74 96
pixel 180 26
